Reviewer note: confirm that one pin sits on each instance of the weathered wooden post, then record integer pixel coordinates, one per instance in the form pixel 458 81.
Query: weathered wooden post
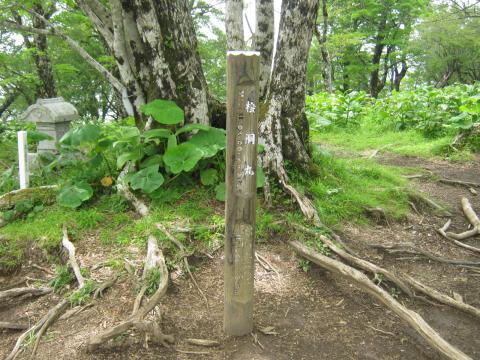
pixel 242 118
pixel 23 174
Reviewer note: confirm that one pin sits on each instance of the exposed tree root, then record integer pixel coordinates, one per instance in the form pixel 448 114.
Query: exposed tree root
pixel 98 293
pixel 306 205
pixel 43 194
pixel 151 329
pixel 22 291
pixel 124 190
pixel 265 263
pixel 12 326
pixel 407 248
pixel 442 298
pixel 72 261
pixel 442 231
pixel 361 280
pixel 459 182
pixel 362 264
pixel 472 218
pixel 422 199
pixel 185 260
pixel 39 328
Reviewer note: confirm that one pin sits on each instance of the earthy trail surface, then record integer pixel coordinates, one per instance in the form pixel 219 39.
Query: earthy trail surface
pixel 314 315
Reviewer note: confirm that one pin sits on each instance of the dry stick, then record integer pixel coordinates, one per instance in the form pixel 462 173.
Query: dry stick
pixel 442 298
pixel 123 189
pixel 137 320
pixel 16 292
pixel 67 244
pixel 459 182
pixel 363 264
pixel 442 231
pixel 411 249
pixel 185 260
pixel 41 268
pixel 12 326
pixel 361 280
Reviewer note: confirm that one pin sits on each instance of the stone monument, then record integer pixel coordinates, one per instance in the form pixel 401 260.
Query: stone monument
pixel 53 117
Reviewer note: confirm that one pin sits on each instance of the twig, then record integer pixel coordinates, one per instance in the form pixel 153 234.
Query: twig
pixel 265 263
pixel 185 260
pixel 381 331
pixel 442 231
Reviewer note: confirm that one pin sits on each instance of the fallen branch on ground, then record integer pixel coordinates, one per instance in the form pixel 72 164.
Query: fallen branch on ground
pixel 185 260
pixel 42 194
pixel 16 292
pixel 361 280
pixel 442 231
pixel 136 321
pixel 407 248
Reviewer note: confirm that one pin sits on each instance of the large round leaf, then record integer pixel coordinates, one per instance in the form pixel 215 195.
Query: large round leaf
pixel 72 196
pixel 164 111
pixel 208 176
pixel 86 134
pixel 190 127
pixel 210 142
pixel 183 157
pixel 157 133
pixel 148 179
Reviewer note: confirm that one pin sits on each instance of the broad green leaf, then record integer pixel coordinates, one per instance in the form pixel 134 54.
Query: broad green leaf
pixel 172 141
pixel 191 127
pixel 208 176
pixel 151 160
pixel 183 157
pixel 129 156
pixel 72 196
pixel 148 179
pixel 86 134
pixel 164 111
pixel 37 136
pixel 157 133
pixel 260 177
pixel 210 142
pixel 220 192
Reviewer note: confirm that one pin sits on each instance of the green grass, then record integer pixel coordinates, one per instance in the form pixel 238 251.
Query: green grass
pixel 371 137
pixel 345 188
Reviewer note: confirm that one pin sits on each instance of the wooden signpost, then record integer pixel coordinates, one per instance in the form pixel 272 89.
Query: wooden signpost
pixel 23 174
pixel 242 136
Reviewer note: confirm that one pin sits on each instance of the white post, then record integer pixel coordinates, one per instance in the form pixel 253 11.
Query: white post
pixel 23 159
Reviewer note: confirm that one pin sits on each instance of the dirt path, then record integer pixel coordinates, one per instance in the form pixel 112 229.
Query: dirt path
pixel 316 315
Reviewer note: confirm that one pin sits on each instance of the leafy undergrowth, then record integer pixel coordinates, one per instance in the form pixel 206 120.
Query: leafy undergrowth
pixel 342 191
pixel 410 142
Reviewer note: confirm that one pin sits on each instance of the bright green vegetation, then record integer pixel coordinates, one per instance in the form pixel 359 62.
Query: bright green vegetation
pixel 346 188
pixel 422 122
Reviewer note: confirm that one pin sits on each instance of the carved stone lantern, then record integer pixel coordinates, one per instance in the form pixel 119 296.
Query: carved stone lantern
pixel 53 117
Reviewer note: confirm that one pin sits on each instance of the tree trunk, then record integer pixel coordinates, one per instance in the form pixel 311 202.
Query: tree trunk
pixel 263 42
pixel 234 24
pixel 327 72
pixel 400 75
pixel 46 87
pixel 375 82
pixel 283 129
pixel 155 48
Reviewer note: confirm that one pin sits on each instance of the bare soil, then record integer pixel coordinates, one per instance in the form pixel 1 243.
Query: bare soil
pixel 315 315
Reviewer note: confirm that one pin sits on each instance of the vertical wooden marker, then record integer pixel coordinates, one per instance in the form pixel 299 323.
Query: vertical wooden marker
pixel 23 159
pixel 242 118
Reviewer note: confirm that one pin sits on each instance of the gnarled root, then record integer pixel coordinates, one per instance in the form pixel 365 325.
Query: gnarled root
pixel 9 294
pixel 472 218
pixel 411 249
pixel 136 320
pixel 362 281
